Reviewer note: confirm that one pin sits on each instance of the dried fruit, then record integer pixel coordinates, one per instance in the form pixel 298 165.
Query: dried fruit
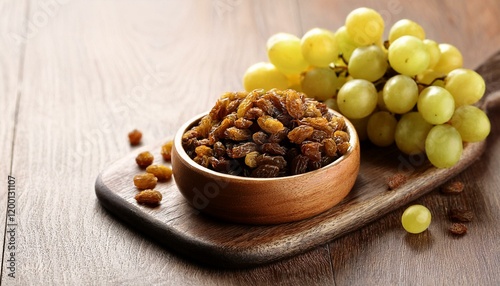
pixel 396 180
pixel 144 159
pixel 458 229
pixel 166 150
pixel 454 187
pixel 461 215
pixel 149 197
pixel 134 137
pixel 145 181
pixel 267 134
pixel 161 172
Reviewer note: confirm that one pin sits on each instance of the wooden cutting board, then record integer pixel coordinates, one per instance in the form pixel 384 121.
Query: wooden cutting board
pixel 184 230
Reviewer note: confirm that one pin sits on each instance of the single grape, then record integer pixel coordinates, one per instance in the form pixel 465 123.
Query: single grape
pixel 264 75
pixel 284 52
pixel 436 105
pixel 408 55
pixel 294 82
pixel 345 44
pixel 365 26
pixel 466 86
pixel 405 27
pixel 450 59
pixel 361 126
pixel 416 219
pixel 434 52
pixel 400 94
pixel 472 123
pixel 320 83
pixel 319 47
pixel 381 127
pixel 368 62
pixel 357 98
pixel 443 146
pixel 411 132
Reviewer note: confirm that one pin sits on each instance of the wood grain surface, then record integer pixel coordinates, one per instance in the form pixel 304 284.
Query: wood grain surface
pixel 91 71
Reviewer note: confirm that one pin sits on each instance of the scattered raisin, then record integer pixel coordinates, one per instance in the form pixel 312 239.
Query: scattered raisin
pixel 458 229
pixel 148 197
pixel 144 159
pixel 161 172
pixel 461 215
pixel 166 150
pixel 145 181
pixel 450 188
pixel 134 137
pixel 396 180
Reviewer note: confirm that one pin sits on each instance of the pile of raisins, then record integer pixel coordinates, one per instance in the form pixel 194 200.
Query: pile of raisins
pixel 267 134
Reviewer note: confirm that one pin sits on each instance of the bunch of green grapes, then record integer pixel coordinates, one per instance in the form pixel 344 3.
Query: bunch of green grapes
pixel 407 90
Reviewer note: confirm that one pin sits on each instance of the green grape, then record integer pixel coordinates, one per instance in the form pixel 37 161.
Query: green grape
pixel 345 44
pixel 381 127
pixel 284 52
pixel 411 132
pixel 357 98
pixel 320 83
pixel 319 47
pixel 443 146
pixel 434 52
pixel 466 86
pixel 450 59
pixel 436 105
pixel 361 126
pixel 400 94
pixel 408 55
pixel 472 123
pixel 294 82
pixel 264 75
pixel 429 77
pixel 332 104
pixel 416 219
pixel 405 27
pixel 368 62
pixel 365 26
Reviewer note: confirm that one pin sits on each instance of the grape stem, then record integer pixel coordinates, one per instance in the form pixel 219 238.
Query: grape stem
pixel 430 84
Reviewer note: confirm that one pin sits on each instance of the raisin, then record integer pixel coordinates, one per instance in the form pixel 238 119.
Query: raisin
pixel 220 131
pixel 237 134
pixel 330 147
pixel 144 159
pixel 267 106
pixel 265 171
pixel 318 136
pixel 161 172
pixel 337 123
pixel 203 160
pixel 219 111
pixel 311 150
pixel 260 137
pixel 270 124
pixel 396 180
pixel 278 161
pixel 134 137
pixel 145 181
pixel 461 215
pixel 254 113
pixel 278 136
pixel 299 164
pixel 166 150
pixel 341 136
pixel 458 229
pixel 219 149
pixel 313 165
pixel 247 103
pixel 250 159
pixel 300 133
pixel 295 105
pixel 452 188
pixel 243 123
pixel 312 110
pixel 148 197
pixel 273 149
pixel 343 148
pixel 203 151
pixel 241 150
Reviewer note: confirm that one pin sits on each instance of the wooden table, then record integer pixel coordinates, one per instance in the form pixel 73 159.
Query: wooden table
pixel 77 76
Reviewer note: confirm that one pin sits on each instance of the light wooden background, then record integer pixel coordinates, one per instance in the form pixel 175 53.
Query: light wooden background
pixel 76 76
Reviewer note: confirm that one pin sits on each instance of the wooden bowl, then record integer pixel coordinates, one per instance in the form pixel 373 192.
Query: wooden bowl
pixel 264 200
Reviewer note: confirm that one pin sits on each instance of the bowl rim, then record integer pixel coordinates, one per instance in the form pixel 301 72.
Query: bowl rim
pixel 353 140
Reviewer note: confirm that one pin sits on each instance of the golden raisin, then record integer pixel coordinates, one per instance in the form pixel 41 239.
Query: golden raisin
pixel 300 133
pixel 166 150
pixel 270 124
pixel 161 172
pixel 144 159
pixel 145 181
pixel 149 197
pixel 250 159
pixel 134 137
